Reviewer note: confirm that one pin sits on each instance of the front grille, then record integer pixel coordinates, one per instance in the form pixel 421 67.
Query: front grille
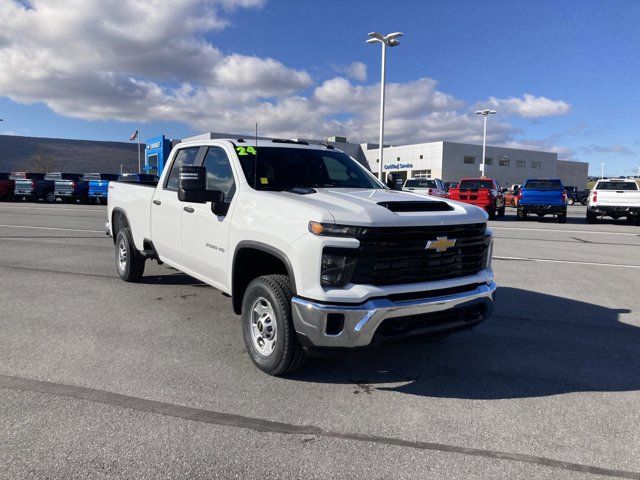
pixel 388 256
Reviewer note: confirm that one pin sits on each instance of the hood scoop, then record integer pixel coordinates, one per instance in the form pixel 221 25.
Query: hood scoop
pixel 416 206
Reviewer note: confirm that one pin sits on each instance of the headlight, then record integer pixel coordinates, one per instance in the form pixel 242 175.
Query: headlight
pixel 337 268
pixel 333 230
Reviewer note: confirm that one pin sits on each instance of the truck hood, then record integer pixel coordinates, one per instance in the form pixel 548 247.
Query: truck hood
pixel 362 207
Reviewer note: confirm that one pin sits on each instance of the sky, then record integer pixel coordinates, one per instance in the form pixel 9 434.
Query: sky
pixel 562 75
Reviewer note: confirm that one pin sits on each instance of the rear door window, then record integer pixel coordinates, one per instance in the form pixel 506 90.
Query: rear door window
pixel 185 156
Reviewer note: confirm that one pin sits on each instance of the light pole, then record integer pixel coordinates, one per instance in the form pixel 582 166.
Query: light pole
pixel 602 172
pixel 485 113
pixel 390 40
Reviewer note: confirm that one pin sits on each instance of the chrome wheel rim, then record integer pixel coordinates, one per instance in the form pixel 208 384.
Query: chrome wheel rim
pixel 122 256
pixel 263 326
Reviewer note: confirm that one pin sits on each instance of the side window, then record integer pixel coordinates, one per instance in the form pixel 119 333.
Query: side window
pixel 219 174
pixel 185 156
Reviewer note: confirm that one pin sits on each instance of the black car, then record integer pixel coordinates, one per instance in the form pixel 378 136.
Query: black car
pixel 576 196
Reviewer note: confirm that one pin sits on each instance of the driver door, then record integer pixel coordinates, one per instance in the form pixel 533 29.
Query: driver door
pixel 205 236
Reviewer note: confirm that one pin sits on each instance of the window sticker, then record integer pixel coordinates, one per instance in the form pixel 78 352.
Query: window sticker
pixel 243 151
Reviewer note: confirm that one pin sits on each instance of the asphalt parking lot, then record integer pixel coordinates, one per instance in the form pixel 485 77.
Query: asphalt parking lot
pixel 102 379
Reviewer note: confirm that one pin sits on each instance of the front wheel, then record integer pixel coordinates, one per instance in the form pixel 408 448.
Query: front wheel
pixel 267 326
pixel 129 261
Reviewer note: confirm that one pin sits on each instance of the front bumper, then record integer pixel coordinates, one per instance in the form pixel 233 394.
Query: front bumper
pixel 383 319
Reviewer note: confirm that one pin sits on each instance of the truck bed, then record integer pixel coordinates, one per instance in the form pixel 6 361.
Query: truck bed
pixel 134 199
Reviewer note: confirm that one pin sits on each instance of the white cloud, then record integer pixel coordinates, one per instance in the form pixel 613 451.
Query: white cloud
pixel 143 61
pixel 355 71
pixel 528 106
pixel 617 149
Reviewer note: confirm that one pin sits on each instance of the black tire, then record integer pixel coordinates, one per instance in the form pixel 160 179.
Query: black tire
pixel 129 261
pixel 584 201
pixel 102 201
pixel 522 215
pixel 562 218
pixel 49 197
pixel 591 217
pixel 501 211
pixel 272 293
pixel 492 214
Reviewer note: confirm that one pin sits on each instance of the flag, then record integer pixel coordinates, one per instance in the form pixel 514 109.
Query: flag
pixel 133 136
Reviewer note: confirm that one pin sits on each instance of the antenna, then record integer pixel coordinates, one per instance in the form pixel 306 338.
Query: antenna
pixel 255 165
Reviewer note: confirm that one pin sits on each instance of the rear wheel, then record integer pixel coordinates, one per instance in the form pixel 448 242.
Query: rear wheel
pixel 102 201
pixel 267 326
pixel 129 261
pixel 501 211
pixel 492 214
pixel 591 217
pixel 562 218
pixel 522 215
pixel 584 201
pixel 49 197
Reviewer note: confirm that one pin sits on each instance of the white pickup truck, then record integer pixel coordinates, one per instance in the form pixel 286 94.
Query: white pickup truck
pixel 616 198
pixel 313 250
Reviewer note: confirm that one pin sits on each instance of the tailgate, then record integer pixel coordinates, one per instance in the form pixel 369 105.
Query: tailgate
pixel 64 187
pixel 475 196
pixel 98 188
pixel 23 186
pixel 627 198
pixel 542 197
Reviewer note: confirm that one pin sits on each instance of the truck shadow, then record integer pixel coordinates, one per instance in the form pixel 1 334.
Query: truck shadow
pixel 177 278
pixel 534 345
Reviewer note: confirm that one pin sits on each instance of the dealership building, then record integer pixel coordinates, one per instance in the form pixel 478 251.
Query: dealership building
pixel 451 161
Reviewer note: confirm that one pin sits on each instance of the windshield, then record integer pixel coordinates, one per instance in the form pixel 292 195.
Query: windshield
pixel 617 186
pixel 421 184
pixel 288 168
pixel 543 185
pixel 475 184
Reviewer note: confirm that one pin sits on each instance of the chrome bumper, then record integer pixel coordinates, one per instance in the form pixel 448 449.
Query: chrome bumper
pixel 312 320
pixel 107 229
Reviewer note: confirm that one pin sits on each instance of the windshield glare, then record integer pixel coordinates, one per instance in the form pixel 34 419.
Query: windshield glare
pixel 288 168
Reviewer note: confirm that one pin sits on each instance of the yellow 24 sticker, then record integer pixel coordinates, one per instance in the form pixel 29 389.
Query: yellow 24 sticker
pixel 246 151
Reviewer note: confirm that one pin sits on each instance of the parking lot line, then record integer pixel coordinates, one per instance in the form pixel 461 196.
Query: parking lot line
pixel 52 228
pixel 262 425
pixel 550 260
pixel 564 231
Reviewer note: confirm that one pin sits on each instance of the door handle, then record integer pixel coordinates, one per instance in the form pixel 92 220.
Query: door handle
pixel 157 202
pixel 188 209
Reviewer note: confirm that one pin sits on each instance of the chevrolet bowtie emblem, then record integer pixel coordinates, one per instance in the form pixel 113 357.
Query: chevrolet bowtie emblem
pixel 440 244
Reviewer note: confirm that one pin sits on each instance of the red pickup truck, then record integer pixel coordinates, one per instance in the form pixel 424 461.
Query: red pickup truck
pixel 6 186
pixel 481 192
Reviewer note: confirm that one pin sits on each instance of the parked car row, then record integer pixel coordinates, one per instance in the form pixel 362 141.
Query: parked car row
pixel 615 198
pixel 69 187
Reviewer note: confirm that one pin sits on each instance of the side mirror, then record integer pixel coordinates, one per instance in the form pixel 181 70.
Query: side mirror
pixel 192 188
